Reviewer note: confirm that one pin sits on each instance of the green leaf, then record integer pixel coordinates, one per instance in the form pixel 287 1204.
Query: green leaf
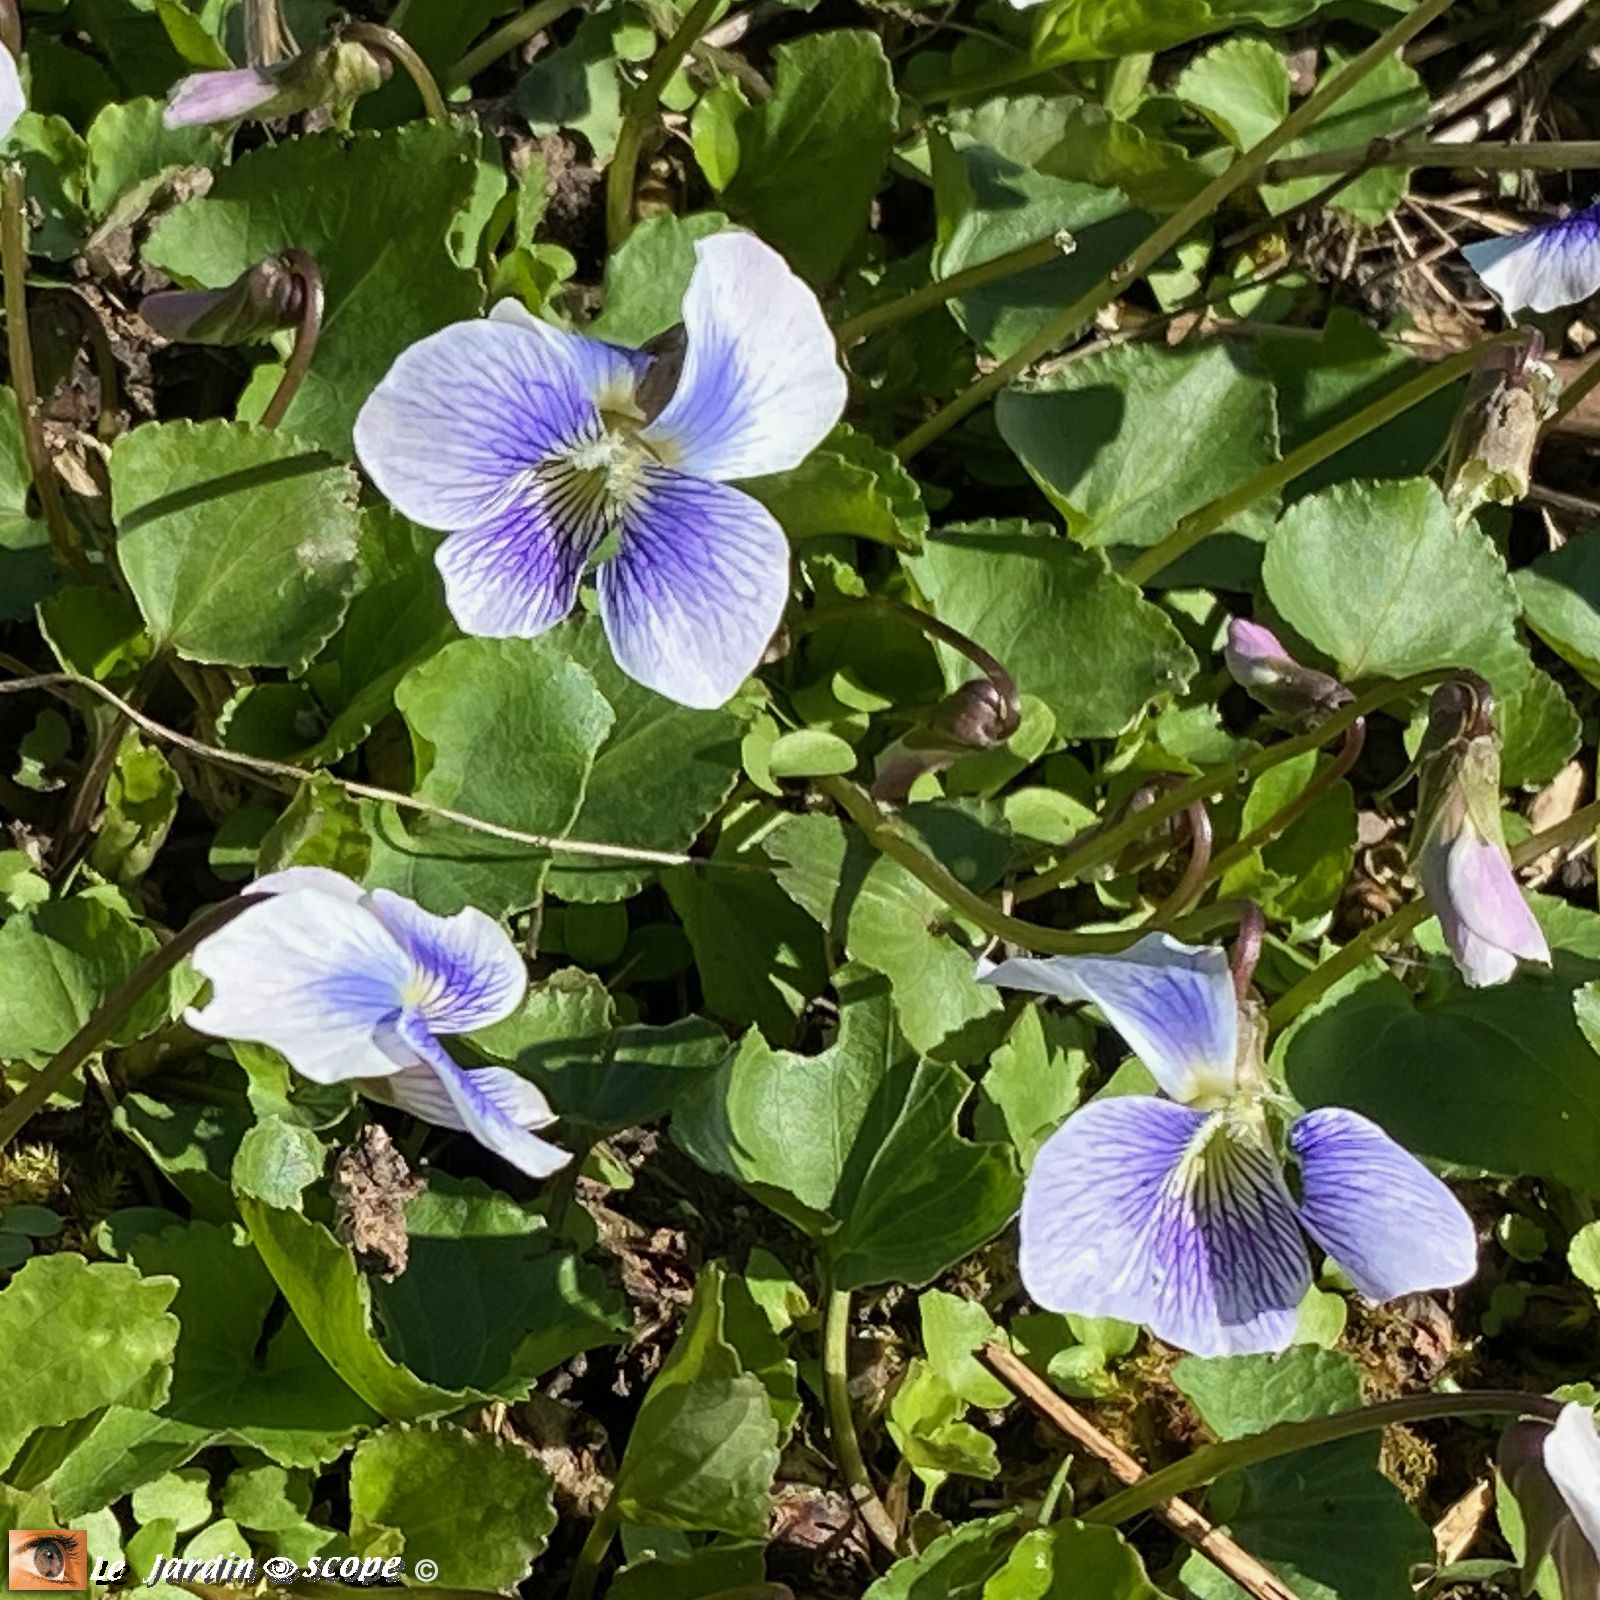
pixel 192 1138
pixel 704 1446
pixel 885 919
pixel 1583 1255
pixel 28 572
pixel 266 1498
pixel 952 1329
pixel 59 961
pixel 956 1566
pixel 578 87
pixel 475 1504
pixel 489 1300
pixel 810 162
pixel 238 1376
pixel 858 1146
pixel 376 211
pixel 130 145
pixel 1036 1078
pixel 714 131
pixel 925 1420
pixel 646 276
pixel 988 205
pixel 1241 86
pixel 182 1498
pixel 1379 577
pixel 660 777
pixel 1560 595
pixel 503 729
pixel 1540 729
pixel 207 512
pixel 141 803
pixel 1088 433
pixel 1102 30
pixel 1069 1560
pixel 1296 1513
pixel 1500 1079
pixel 111 1341
pixel 1067 628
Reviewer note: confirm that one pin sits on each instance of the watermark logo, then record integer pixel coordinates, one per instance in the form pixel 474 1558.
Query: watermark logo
pixel 47 1558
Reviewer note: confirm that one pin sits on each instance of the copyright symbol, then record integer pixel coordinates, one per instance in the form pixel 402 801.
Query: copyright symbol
pixel 280 1569
pixel 426 1571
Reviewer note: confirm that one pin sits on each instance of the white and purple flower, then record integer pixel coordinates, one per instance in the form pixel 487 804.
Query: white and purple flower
pixel 530 447
pixel 358 987
pixel 1554 1472
pixel 13 100
pixel 1176 1212
pixel 1545 267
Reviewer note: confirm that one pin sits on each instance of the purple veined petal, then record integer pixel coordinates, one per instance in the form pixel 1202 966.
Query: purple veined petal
pixel 314 976
pixel 13 102
pixel 1544 268
pixel 1155 1213
pixel 1173 1003
pixel 609 373
pixel 455 428
pixel 466 972
pixel 517 575
pixel 761 384
pixel 1391 1225
pixel 1572 1458
pixel 205 97
pixel 321 880
pixel 697 587
pixel 492 1104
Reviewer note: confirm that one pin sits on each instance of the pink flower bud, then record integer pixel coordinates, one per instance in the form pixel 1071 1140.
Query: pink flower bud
pixel 1554 1473
pixel 1259 663
pixel 269 296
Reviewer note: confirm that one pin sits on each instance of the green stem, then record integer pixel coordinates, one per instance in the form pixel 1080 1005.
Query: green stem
pixel 1289 1438
pixel 403 53
pixel 1201 524
pixel 25 385
pixel 505 39
pixel 1246 169
pixel 304 266
pixel 53 1076
pixel 1105 844
pixel 841 1422
pixel 1556 155
pixel 1574 394
pixel 642 105
pixel 586 1570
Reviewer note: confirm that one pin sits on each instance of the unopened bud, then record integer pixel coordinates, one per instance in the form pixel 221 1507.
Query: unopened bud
pixel 1509 398
pixel 1258 662
pixel 335 75
pixel 269 296
pixel 977 716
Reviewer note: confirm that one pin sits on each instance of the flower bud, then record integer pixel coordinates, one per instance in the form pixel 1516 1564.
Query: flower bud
pixel 1554 1475
pixel 1260 664
pixel 269 296
pixel 1511 395
pixel 1458 845
pixel 977 716
pixel 335 75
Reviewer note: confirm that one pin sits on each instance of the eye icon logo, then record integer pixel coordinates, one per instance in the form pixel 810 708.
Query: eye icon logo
pixel 46 1558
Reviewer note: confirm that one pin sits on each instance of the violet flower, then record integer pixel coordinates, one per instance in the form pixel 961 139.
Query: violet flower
pixel 1458 845
pixel 354 986
pixel 530 446
pixel 1554 1472
pixel 1175 1212
pixel 335 75
pixel 1259 663
pixel 1550 265
pixel 13 101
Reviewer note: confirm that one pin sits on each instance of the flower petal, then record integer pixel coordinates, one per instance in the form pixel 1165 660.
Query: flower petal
pixel 321 880
pixel 1572 1458
pixel 1488 901
pixel 454 428
pixel 1148 1211
pixel 697 587
pixel 13 102
pixel 1544 268
pixel 492 1104
pixel 473 973
pixel 761 384
pixel 518 574
pixel 205 97
pixel 1384 1218
pixel 1173 1003
pixel 317 978
pixel 608 373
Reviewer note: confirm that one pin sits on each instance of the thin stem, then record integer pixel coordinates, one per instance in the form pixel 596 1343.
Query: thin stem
pixel 1246 952
pixel 53 1076
pixel 586 1570
pixel 25 385
pixel 1288 1438
pixel 1286 816
pixel 841 1422
pixel 1246 169
pixel 1201 524
pixel 1556 155
pixel 1105 844
pixel 1574 394
pixel 1194 874
pixel 305 268
pixel 642 105
pixel 505 39
pixel 404 54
